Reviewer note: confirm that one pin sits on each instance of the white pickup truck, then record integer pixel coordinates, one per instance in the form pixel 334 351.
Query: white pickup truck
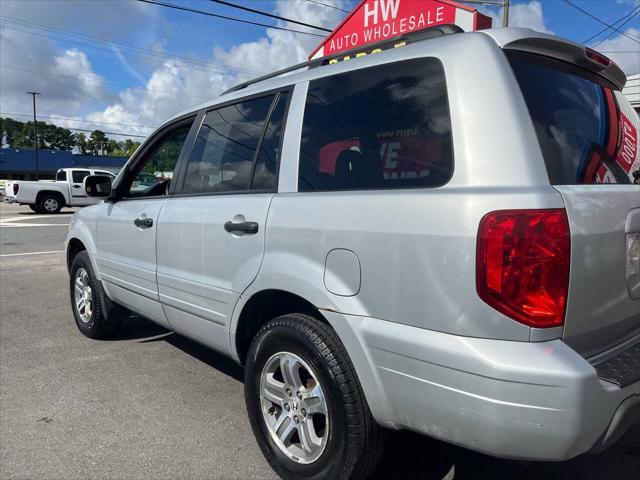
pixel 50 196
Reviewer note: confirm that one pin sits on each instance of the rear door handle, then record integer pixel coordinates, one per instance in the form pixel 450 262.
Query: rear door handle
pixel 250 228
pixel 143 222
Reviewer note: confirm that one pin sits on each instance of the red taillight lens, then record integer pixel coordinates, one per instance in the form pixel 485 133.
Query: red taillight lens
pixel 522 264
pixel 16 187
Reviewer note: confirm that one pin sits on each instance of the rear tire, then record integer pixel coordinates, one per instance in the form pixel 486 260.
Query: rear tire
pixel 35 208
pixel 87 298
pixel 323 428
pixel 50 203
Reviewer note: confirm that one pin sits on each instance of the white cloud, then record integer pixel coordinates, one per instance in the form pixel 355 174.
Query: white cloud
pixel 624 51
pixel 31 61
pixel 278 49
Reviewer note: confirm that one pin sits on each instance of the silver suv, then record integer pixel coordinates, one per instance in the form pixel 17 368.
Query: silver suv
pixel 442 237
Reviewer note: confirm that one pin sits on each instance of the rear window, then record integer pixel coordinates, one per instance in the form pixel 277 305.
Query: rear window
pixel 61 176
pixel 583 136
pixel 79 175
pixel 377 128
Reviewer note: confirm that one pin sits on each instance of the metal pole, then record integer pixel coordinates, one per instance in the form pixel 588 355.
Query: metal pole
pixel 35 131
pixel 505 14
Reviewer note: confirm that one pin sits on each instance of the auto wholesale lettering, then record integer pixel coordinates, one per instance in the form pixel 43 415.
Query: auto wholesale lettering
pixel 378 20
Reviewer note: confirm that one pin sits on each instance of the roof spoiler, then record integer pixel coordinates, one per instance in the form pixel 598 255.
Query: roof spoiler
pixel 412 37
pixel 573 53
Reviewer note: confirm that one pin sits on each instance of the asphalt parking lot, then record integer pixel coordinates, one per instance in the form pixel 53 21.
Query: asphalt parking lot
pixel 151 404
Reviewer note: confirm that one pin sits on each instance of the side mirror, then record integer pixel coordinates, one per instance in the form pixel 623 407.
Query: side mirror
pixel 97 185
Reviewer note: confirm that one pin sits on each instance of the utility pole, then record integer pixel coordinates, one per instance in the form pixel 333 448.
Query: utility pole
pixel 498 3
pixel 505 14
pixel 35 131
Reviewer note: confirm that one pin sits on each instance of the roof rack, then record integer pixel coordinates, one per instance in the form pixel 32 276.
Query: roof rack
pixel 413 37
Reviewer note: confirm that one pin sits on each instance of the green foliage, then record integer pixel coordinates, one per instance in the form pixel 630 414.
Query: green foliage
pixel 15 134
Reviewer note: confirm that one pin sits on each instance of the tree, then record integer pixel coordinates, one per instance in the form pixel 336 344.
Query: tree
pixel 81 142
pixel 63 139
pixel 11 133
pixel 96 142
pixel 26 139
pixel 111 147
pixel 129 147
pixel 15 134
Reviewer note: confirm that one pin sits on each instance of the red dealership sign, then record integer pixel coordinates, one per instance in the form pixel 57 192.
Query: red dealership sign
pixel 376 20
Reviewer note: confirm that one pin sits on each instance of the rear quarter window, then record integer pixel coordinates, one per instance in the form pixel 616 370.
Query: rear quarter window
pixel 384 127
pixel 584 136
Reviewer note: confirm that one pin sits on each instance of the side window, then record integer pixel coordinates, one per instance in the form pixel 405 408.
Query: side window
pixel 78 175
pixel 61 176
pixel 222 157
pixel 155 172
pixel 377 128
pixel 265 176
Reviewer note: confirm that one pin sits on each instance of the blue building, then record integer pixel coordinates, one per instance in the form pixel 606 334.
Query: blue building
pixel 21 164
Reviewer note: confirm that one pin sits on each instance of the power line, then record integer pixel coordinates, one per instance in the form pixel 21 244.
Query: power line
pixel 109 133
pixel 103 82
pixel 631 14
pixel 145 51
pixel 330 6
pixel 621 25
pixel 78 120
pixel 267 14
pixel 224 17
pixel 108 50
pixel 568 2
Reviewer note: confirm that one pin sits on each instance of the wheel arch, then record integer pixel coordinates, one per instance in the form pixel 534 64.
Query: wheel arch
pixel 74 246
pixel 58 194
pixel 262 307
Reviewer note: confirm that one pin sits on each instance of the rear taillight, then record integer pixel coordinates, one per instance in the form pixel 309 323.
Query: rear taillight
pixel 16 187
pixel 522 264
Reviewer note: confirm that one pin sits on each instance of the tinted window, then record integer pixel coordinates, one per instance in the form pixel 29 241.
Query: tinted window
pixel 571 115
pixel 61 176
pixel 266 170
pixel 156 170
pixel 78 175
pixel 382 127
pixel 222 157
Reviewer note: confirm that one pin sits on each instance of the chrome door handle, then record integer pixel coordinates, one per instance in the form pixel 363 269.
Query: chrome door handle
pixel 250 228
pixel 143 222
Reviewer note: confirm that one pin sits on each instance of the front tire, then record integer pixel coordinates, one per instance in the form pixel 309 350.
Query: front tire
pixel 306 405
pixel 86 300
pixel 50 203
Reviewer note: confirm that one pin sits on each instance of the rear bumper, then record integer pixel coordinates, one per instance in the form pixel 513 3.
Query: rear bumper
pixel 519 400
pixel 10 199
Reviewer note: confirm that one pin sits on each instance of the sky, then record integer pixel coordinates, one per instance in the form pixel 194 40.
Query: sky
pixel 124 66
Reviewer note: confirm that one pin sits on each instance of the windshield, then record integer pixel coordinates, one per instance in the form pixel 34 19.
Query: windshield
pixel 583 136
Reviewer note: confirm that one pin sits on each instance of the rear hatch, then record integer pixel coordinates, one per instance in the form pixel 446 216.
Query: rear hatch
pixel 588 134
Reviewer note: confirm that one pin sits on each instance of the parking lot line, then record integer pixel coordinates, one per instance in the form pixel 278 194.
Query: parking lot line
pixel 30 253
pixel 21 225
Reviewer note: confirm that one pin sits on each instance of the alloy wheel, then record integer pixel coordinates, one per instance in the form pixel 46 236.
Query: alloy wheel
pixel 294 407
pixel 83 295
